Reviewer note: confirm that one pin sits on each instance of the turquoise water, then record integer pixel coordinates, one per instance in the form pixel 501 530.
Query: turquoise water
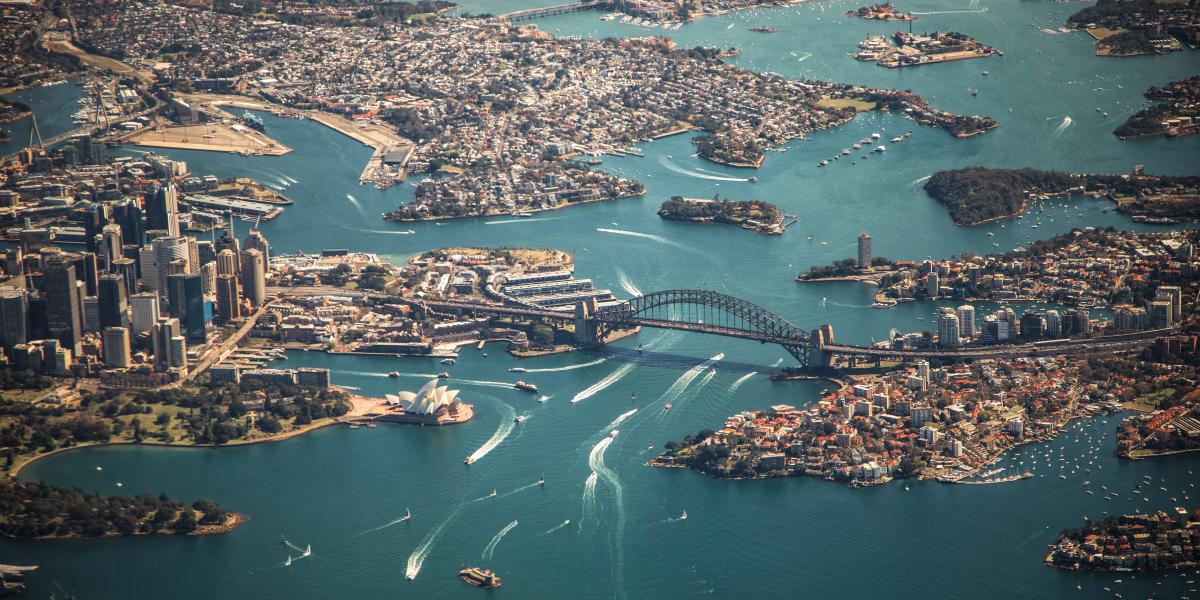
pixel 741 539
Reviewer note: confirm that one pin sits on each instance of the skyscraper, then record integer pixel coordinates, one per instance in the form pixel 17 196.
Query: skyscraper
pixel 113 300
pixel 966 321
pixel 228 307
pixel 128 215
pixel 949 331
pixel 256 240
pixel 167 250
pixel 227 262
pixel 186 303
pixel 116 347
pixel 1054 328
pixel 112 247
pixel 254 277
pixel 864 250
pixel 14 316
pixel 932 284
pixel 162 209
pixel 64 302
pixel 164 331
pixel 145 311
pixel 208 278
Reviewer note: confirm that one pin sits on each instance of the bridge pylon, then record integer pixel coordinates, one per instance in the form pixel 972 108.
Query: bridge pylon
pixel 587 329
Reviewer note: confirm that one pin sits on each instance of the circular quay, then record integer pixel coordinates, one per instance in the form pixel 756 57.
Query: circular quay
pixel 600 299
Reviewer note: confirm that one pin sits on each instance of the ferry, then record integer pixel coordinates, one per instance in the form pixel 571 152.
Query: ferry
pixel 468 460
pixel 480 577
pixel 394 374
pixel 526 387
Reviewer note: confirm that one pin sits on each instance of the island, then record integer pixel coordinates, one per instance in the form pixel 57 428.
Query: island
pixel 1138 27
pixel 35 510
pixel 1160 541
pixel 979 195
pixel 881 12
pixel 912 50
pixel 1176 115
pixel 752 215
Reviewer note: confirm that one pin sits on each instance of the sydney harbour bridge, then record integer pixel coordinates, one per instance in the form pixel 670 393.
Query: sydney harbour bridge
pixel 710 312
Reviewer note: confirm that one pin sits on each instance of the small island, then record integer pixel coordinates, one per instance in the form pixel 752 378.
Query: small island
pixel 35 510
pixel 752 215
pixel 1177 113
pixel 979 195
pixel 881 12
pixel 1155 542
pixel 913 50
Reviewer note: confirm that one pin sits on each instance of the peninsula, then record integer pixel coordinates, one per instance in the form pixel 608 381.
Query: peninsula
pixel 1177 113
pixel 978 195
pixel 35 510
pixel 1130 543
pixel 752 215
pixel 1138 27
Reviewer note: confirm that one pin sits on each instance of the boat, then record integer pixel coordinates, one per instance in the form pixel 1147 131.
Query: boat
pixel 875 136
pixel 649 445
pixel 448 361
pixel 752 179
pixel 593 161
pixel 857 145
pixel 443 375
pixel 667 406
pixel 763 29
pixel 985 73
pixel 522 213
pixel 526 387
pixel 480 577
pixel 307 550
pixel 543 398
pixel 493 494
pixel 542 479
pixel 823 162
pixel 288 562
pixel 394 374
pixel 633 397
pixel 99 468
pixel 253 121
pixel 520 418
pixel 639 348
pixel 517 370
pixel 845 151
pixel 468 460
pixel 354 426
pixel 613 433
pixel 880 149
pixel 898 138
pixel 683 517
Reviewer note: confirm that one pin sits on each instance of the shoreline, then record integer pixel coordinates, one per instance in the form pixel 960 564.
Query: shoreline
pixel 315 425
pixel 233 521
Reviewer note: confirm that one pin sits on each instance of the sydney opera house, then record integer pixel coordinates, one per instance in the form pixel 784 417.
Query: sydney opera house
pixel 431 405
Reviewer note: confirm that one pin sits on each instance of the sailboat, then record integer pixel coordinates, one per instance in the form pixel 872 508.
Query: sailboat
pixel 307 550
pixel 407 514
pixel 493 494
pixel 683 517
pixel 288 562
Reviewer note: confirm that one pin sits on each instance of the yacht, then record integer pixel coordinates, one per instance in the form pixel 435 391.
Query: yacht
pixel 823 162
pixel 448 361
pixel 520 418
pixel 875 136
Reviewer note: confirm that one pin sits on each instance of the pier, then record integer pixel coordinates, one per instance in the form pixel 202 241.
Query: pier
pixel 546 11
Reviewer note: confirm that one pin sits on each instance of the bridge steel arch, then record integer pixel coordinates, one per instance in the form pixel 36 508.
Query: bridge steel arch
pixel 706 311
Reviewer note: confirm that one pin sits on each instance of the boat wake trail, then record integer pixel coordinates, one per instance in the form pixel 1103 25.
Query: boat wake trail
pixel 507 416
pixel 523 220
pixel 707 378
pixel 490 549
pixel 388 232
pixel 914 182
pixel 682 171
pixel 557 527
pixel 417 558
pixel 568 367
pixel 619 419
pixel 520 489
pixel 740 380
pixel 357 206
pixel 608 380
pixel 290 178
pixel 627 285
pixel 293 546
pixel 596 462
pixel 384 526
pixel 676 390
pixel 807 55
pixel 589 498
pixel 649 236
pixel 1066 122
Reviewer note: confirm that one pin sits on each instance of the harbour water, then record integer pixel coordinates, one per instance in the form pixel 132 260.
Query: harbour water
pixel 741 539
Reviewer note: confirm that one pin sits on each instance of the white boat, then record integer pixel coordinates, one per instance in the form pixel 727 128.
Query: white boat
pixel 307 550
pixel 543 398
pixel 448 361
pixel 683 517
pixel 613 433
pixel 520 418
pixel 288 562
pixel 881 148
pixel 897 139
pixel 823 163
pixel 875 136
pixel 517 370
